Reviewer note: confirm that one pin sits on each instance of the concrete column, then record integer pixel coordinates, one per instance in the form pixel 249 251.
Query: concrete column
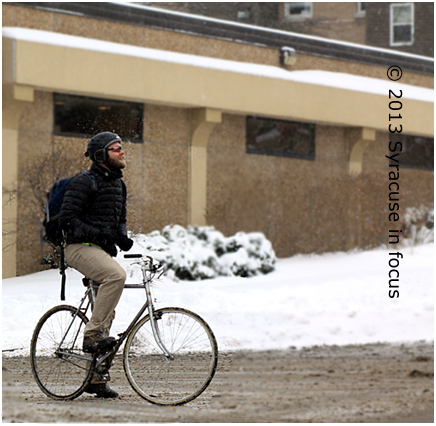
pixel 203 122
pixel 14 99
pixel 362 137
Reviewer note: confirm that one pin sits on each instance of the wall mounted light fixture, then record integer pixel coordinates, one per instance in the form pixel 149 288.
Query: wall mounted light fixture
pixel 288 56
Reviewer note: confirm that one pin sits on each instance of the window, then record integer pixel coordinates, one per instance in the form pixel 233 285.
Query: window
pixel 416 152
pixel 279 137
pixel 298 10
pixel 361 10
pixel 84 117
pixel 401 31
pixel 243 14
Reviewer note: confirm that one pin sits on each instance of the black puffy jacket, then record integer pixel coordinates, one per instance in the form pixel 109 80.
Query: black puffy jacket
pixel 87 213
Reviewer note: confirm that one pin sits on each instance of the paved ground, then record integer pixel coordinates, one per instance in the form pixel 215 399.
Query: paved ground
pixel 358 383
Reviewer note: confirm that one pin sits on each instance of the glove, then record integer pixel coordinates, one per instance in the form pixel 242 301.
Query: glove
pixel 111 250
pixel 124 243
pixel 107 237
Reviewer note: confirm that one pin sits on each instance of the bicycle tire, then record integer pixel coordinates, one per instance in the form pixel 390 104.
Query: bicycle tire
pixel 58 372
pixel 194 353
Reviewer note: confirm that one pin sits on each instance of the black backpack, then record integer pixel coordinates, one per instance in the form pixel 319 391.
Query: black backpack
pixel 53 204
pixel 51 229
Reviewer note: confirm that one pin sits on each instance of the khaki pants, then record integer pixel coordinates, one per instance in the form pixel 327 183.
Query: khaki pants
pixel 97 265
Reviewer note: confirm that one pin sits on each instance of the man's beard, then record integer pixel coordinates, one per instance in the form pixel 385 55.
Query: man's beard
pixel 115 163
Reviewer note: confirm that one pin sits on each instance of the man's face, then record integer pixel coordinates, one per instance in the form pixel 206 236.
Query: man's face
pixel 116 156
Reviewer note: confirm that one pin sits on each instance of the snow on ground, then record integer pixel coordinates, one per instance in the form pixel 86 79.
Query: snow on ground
pixel 334 298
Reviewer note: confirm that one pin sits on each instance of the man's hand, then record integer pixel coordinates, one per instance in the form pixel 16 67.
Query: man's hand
pixel 124 243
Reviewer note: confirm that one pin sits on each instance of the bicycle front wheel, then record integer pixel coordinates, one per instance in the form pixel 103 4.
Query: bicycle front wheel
pixel 187 371
pixel 59 366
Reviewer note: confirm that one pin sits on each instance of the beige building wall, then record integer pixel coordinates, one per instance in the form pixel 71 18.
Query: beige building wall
pixel 302 206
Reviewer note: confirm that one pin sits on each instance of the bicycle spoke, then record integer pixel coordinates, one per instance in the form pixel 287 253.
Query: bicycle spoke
pixel 190 367
pixel 58 364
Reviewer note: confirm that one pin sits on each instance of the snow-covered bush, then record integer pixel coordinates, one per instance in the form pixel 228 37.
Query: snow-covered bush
pixel 197 253
pixel 418 226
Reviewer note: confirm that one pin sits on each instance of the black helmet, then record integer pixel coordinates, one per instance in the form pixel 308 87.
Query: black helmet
pixel 98 144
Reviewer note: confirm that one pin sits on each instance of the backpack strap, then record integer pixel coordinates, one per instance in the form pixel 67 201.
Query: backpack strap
pixel 94 185
pixel 62 272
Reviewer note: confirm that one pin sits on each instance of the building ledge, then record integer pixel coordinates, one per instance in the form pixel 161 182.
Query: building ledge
pixel 63 63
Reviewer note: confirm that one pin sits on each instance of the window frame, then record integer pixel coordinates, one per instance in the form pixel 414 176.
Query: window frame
pixel 292 17
pixel 406 142
pixel 360 13
pixel 311 156
pixel 94 101
pixel 392 25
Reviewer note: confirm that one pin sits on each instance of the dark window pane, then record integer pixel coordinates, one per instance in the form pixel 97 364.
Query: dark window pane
pixel 417 152
pixel 85 117
pixel 300 8
pixel 278 137
pixel 402 33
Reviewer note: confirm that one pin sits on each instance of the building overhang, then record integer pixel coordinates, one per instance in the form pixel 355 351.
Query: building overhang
pixel 40 60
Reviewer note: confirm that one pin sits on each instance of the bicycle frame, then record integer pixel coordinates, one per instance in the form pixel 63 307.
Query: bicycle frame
pixel 90 294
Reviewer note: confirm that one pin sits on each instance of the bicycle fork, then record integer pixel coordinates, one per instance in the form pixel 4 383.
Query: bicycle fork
pixel 153 323
pixel 156 333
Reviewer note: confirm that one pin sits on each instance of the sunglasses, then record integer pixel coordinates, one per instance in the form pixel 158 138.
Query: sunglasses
pixel 117 149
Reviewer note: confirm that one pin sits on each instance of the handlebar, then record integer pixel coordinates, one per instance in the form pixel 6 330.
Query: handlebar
pixel 148 266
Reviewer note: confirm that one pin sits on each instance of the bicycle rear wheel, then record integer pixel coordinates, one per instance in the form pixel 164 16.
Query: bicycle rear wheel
pixel 59 365
pixel 177 379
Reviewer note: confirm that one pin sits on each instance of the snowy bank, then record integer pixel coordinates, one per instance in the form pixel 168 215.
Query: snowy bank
pixel 334 299
pixel 202 252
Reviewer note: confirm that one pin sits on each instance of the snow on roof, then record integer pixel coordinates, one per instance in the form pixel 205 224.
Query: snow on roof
pixel 362 84
pixel 315 77
pixel 275 31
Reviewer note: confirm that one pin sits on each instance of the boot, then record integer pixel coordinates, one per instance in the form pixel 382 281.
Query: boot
pixel 102 390
pixel 97 342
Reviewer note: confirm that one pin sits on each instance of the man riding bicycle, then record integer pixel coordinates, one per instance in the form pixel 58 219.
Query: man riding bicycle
pixel 95 223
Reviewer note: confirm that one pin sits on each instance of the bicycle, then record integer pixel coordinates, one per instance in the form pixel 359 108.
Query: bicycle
pixel 170 354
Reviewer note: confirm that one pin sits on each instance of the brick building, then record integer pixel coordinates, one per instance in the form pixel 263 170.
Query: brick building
pixel 408 27
pixel 222 131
